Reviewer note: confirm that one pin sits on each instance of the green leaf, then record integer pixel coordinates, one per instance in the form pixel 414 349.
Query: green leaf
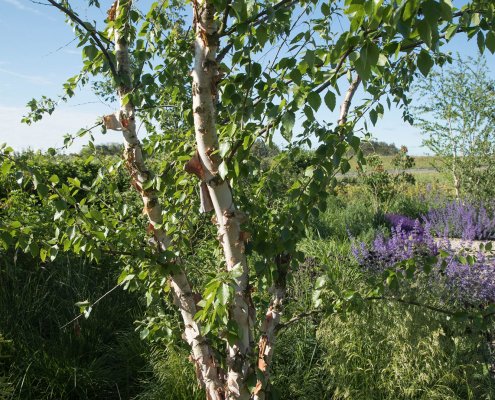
pixel 314 100
pixel 431 10
pixel 288 121
pixel 370 54
pixel 475 19
pixel 424 30
pixel 296 76
pixel 96 215
pixel 43 254
pixel 451 31
pixel 490 41
pixel 223 170
pixel 330 100
pixel 480 40
pixel 261 34
pixel 425 62
pixel 43 190
pixel 6 166
pixel 90 52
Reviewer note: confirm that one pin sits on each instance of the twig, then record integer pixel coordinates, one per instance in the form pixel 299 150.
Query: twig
pixel 93 304
pixel 94 34
pixel 297 318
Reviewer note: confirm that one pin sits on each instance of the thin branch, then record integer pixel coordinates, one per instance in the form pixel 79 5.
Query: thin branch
pixel 337 70
pixel 412 303
pixel 92 304
pixel 256 19
pixel 346 104
pixel 297 318
pixel 93 33
pixel 222 53
pixel 223 24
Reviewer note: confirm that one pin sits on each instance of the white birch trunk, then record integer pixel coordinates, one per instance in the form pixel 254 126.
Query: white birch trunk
pixel 205 77
pixel 266 343
pixel 206 367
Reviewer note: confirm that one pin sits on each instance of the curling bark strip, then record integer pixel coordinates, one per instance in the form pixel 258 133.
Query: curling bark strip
pixel 202 355
pixel 205 165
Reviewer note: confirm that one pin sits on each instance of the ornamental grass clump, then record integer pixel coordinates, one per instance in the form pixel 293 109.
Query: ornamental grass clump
pixel 462 219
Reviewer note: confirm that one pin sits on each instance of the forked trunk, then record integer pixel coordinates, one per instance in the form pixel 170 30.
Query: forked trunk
pixel 217 193
pixel 202 355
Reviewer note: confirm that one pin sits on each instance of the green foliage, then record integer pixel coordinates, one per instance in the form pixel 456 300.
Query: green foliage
pixel 6 387
pixel 380 350
pixel 171 376
pixel 410 353
pixel 457 118
pixel 93 358
pixel 91 215
pixel 385 186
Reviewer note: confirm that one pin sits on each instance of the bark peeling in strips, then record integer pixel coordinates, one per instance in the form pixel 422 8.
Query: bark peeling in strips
pixel 219 194
pixel 202 355
pixel 266 343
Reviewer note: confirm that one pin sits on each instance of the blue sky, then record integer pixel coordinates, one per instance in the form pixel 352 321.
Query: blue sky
pixel 39 54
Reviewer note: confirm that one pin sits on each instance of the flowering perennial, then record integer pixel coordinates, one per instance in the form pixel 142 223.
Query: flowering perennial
pixel 470 280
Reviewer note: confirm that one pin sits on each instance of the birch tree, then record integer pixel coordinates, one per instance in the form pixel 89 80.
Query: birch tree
pixel 207 90
pixel 457 117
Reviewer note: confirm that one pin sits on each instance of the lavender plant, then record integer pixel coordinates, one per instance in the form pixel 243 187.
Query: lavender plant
pixel 413 241
pixel 468 277
pixel 462 219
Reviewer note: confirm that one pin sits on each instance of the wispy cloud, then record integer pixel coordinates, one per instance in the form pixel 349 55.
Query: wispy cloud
pixel 48 132
pixel 34 79
pixel 72 51
pixel 23 7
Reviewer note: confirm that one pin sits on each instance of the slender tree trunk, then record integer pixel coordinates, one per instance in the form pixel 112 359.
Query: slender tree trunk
pixel 217 193
pixel 266 343
pixel 202 355
pixel 456 179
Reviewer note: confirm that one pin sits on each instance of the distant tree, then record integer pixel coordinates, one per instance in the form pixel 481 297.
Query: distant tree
pixel 457 116
pixel 106 149
pixel 380 148
pixel 261 149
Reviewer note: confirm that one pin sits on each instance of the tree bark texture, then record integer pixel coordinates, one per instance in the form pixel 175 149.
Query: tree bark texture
pixel 207 371
pixel 218 195
pixel 268 334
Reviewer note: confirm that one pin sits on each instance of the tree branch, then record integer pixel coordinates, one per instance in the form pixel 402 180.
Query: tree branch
pixel 223 24
pixel 93 33
pixel 346 104
pixel 262 14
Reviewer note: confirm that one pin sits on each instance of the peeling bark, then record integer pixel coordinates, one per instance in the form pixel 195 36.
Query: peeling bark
pixel 205 78
pixel 202 355
pixel 266 343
